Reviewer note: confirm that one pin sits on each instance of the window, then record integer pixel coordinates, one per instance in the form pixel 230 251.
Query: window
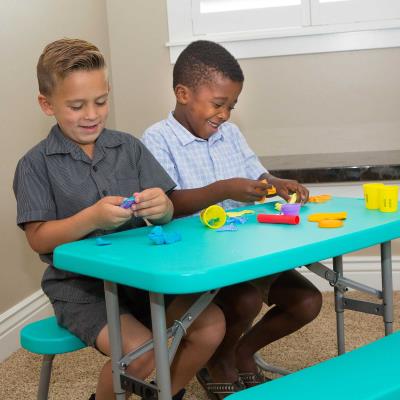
pixel 261 28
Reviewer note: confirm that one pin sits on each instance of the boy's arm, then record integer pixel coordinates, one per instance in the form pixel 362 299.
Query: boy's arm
pixel 285 187
pixel 190 201
pixel 45 236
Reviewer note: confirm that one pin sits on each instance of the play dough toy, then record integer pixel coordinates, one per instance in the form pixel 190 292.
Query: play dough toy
pixel 321 198
pixel 278 219
pixel 330 223
pixel 214 216
pixel 320 216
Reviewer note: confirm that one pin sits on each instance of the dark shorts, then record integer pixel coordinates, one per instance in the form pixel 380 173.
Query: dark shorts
pixel 86 320
pixel 264 285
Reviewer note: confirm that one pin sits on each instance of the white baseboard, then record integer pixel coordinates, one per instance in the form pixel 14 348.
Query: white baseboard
pixel 33 308
pixel 362 269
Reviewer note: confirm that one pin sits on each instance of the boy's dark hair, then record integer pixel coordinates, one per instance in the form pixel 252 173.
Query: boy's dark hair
pixel 63 56
pixel 200 60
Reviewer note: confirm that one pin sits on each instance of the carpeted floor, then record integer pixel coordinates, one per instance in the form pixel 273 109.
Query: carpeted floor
pixel 74 375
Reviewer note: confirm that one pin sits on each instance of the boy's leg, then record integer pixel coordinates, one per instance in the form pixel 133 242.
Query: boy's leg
pixel 197 346
pixel 240 304
pixel 296 303
pixel 133 334
pixel 203 337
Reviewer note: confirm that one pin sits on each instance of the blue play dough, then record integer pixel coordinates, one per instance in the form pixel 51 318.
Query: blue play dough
pixel 102 242
pixel 158 236
pixel 128 201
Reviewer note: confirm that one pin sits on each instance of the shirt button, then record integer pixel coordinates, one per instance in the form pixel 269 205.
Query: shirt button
pixel 95 168
pixel 104 192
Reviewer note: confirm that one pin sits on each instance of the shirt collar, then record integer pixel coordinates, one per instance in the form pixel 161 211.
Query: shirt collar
pixel 58 143
pixel 185 137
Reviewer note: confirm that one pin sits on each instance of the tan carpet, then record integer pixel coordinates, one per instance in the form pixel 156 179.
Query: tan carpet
pixel 74 375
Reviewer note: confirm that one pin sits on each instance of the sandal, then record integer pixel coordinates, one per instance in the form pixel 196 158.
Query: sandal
pixel 251 379
pixel 178 396
pixel 217 391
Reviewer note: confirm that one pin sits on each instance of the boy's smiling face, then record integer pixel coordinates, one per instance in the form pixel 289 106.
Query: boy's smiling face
pixel 203 109
pixel 79 103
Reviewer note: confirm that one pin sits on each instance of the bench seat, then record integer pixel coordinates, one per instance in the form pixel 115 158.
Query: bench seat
pixel 370 372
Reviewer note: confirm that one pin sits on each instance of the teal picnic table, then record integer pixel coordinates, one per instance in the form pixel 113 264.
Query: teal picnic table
pixel 206 260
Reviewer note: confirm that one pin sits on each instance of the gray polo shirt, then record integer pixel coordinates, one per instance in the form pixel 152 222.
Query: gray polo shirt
pixel 56 180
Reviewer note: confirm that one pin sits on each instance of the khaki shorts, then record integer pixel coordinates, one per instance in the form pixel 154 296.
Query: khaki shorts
pixel 264 285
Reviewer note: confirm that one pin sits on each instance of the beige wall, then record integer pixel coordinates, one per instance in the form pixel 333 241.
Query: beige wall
pixel 322 103
pixel 25 28
pixel 142 78
pixel 331 102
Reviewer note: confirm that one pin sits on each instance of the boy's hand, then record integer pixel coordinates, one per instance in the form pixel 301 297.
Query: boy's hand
pixel 153 204
pixel 286 187
pixel 107 213
pixel 245 190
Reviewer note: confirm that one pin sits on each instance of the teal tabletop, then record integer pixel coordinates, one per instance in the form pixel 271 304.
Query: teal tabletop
pixel 205 259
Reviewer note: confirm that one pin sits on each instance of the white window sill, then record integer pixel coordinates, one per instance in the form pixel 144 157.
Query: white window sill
pixel 299 41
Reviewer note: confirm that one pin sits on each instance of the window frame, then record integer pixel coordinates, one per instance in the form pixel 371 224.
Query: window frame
pixel 285 41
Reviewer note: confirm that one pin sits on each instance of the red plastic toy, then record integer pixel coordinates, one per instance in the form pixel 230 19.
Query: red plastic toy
pixel 278 219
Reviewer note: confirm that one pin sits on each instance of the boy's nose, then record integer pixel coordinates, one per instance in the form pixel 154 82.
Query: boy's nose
pixel 90 113
pixel 224 114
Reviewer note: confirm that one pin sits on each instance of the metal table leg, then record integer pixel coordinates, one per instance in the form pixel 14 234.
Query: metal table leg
pixel 160 345
pixel 387 286
pixel 338 268
pixel 114 329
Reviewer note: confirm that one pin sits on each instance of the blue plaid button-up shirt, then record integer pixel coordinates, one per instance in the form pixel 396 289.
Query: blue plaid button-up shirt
pixel 193 162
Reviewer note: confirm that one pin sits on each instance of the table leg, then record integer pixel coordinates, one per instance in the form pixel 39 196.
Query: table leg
pixel 387 286
pixel 160 345
pixel 114 329
pixel 338 268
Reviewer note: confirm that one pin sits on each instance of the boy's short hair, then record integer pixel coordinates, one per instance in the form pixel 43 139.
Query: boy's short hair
pixel 63 56
pixel 200 60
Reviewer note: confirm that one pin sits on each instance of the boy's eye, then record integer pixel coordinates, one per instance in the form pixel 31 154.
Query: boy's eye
pixel 101 103
pixel 217 105
pixel 75 108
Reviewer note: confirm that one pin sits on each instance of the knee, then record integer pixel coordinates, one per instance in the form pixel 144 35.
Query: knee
pixel 249 303
pixel 209 328
pixel 143 366
pixel 245 304
pixel 309 306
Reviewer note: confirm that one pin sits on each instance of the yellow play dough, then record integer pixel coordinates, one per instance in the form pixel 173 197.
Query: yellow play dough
pixel 320 216
pixel 330 223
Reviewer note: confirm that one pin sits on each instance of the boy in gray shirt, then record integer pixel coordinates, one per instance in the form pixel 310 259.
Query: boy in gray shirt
pixel 71 186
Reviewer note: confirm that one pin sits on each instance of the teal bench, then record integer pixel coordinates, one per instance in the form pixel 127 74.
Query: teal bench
pixel 371 372
pixel 48 338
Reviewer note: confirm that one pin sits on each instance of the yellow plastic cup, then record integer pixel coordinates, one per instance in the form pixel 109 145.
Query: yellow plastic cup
pixel 214 217
pixel 388 201
pixel 372 193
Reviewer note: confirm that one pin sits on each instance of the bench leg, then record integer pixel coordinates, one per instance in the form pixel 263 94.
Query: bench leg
pixel 45 375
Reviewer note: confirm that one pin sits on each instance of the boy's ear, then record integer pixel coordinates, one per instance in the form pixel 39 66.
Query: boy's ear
pixel 182 93
pixel 45 105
